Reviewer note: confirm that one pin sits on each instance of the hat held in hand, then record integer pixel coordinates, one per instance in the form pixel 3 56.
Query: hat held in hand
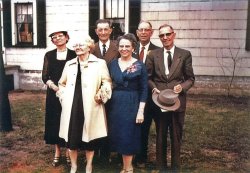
pixel 167 100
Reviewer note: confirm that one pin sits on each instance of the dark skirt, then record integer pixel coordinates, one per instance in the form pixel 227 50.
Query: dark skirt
pixel 52 119
pixel 76 123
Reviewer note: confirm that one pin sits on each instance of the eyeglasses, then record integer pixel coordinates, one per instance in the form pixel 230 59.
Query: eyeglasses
pixel 144 29
pixel 78 45
pixel 166 34
pixel 57 36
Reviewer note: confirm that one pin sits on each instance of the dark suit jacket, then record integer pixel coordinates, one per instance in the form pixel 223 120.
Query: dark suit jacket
pixel 111 53
pixel 149 104
pixel 181 72
pixel 150 47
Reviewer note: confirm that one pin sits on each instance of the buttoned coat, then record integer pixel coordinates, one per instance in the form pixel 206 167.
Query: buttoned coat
pixel 111 53
pixel 94 74
pixel 181 72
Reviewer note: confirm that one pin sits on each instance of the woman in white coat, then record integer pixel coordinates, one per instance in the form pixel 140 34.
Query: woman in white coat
pixel 84 87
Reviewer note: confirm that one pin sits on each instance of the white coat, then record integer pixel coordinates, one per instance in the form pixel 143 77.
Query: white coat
pixel 94 75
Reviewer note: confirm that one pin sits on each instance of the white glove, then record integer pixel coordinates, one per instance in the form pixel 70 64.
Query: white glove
pixel 140 113
pixel 59 94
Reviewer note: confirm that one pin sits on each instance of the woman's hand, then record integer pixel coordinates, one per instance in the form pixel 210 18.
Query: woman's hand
pixel 140 117
pixel 98 98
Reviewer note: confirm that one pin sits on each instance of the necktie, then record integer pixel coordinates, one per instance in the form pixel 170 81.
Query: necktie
pixel 169 60
pixel 141 55
pixel 103 50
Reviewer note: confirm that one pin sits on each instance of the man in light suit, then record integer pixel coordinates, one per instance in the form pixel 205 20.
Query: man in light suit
pixel 169 67
pixel 144 33
pixel 105 48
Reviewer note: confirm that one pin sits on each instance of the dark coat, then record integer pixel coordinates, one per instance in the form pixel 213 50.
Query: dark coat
pixel 150 47
pixel 181 72
pixel 111 53
pixel 52 70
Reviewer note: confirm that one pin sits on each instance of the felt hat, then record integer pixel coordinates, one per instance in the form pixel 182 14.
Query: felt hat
pixel 167 100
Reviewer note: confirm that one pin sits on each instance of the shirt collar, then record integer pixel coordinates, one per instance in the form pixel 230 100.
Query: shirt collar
pixel 171 50
pixel 107 44
pixel 146 46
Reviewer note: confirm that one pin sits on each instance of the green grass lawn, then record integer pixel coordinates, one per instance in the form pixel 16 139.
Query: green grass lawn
pixel 216 138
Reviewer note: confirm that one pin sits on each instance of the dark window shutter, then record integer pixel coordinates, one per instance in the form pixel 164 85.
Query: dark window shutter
pixel 134 15
pixel 7 23
pixel 248 29
pixel 93 17
pixel 41 23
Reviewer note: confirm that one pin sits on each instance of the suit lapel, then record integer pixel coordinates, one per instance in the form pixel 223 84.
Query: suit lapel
pixel 175 63
pixel 160 62
pixel 97 52
pixel 110 52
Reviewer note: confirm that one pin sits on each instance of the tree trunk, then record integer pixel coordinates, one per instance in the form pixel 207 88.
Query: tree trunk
pixel 5 114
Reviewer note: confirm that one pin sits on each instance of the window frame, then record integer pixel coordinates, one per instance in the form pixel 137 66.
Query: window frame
pixel 39 19
pixel 15 33
pixel 97 12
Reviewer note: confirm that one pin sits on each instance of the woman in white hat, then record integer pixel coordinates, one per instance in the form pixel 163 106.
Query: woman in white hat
pixel 54 62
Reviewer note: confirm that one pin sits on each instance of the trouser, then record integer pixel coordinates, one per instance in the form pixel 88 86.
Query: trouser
pixel 171 122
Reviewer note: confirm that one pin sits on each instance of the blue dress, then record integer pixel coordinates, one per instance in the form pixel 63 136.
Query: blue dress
pixel 129 89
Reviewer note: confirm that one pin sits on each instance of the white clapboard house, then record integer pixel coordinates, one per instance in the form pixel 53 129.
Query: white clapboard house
pixel 217 32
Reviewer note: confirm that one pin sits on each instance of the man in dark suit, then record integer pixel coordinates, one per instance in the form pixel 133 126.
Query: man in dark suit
pixel 144 33
pixel 105 48
pixel 169 67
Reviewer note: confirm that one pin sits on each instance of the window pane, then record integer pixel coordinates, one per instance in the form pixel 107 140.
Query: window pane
pixel 114 8
pixel 121 9
pixel 108 10
pixel 24 22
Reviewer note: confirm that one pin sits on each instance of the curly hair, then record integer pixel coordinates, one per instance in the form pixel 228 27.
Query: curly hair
pixel 129 36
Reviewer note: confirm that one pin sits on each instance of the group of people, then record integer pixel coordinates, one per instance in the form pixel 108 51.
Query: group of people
pixel 99 96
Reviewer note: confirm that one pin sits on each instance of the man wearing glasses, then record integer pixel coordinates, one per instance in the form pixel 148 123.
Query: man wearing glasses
pixel 169 67
pixel 144 46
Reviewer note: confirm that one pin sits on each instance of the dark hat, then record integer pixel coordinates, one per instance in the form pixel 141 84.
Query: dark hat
pixel 167 100
pixel 53 33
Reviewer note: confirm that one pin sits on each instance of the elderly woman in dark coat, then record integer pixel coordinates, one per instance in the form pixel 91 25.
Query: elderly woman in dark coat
pixel 54 62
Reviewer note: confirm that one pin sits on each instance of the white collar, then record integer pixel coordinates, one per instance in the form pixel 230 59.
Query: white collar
pixel 107 44
pixel 146 46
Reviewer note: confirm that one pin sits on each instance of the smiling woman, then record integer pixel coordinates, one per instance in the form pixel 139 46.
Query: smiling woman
pixel 54 62
pixel 126 107
pixel 84 87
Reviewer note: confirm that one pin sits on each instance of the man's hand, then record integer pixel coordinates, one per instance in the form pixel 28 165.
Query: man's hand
pixel 177 89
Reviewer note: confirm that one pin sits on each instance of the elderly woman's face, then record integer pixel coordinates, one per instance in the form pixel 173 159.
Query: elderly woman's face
pixel 59 39
pixel 81 48
pixel 125 48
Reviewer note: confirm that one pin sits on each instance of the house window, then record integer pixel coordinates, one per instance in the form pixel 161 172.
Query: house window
pixel 124 15
pixel 114 10
pixel 24 23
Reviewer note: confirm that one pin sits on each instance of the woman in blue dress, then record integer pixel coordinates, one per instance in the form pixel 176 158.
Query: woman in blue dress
pixel 125 109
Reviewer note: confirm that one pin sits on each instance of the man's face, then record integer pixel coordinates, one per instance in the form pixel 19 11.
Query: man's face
pixel 144 33
pixel 103 31
pixel 167 36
